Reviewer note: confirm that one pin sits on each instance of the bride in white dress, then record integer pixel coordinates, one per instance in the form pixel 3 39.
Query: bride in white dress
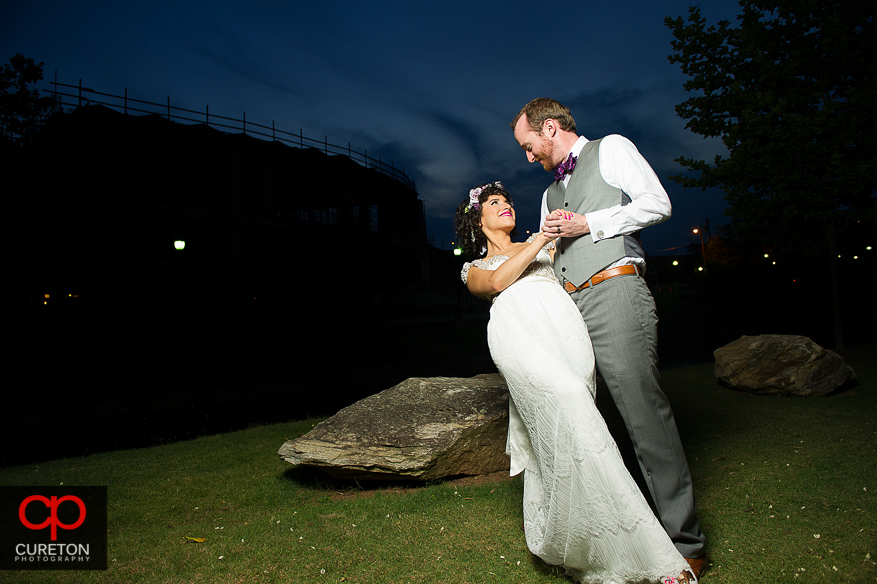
pixel 582 509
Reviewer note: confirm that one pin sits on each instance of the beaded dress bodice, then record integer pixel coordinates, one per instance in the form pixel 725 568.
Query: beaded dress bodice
pixel 541 268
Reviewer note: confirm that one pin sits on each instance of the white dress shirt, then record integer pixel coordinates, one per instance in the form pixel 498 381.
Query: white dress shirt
pixel 623 167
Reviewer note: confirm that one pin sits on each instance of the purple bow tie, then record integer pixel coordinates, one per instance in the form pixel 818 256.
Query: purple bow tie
pixel 565 168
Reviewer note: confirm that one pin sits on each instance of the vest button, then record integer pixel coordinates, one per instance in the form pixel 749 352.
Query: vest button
pixel 600 234
pixel 566 204
pixel 562 269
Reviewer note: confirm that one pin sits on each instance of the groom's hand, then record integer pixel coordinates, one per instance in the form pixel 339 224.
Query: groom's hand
pixel 562 223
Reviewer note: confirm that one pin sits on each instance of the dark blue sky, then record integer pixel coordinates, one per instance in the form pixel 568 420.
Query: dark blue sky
pixel 431 87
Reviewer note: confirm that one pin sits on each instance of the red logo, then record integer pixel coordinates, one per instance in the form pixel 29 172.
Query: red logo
pixel 51 504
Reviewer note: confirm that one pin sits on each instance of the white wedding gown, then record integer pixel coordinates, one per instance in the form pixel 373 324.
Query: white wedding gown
pixel 582 509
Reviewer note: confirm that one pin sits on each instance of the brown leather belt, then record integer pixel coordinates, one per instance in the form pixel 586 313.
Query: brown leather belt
pixel 600 276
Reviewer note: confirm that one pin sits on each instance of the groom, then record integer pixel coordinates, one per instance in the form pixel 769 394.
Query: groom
pixel 604 192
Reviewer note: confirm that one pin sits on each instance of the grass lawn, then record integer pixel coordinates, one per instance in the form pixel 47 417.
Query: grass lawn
pixel 785 488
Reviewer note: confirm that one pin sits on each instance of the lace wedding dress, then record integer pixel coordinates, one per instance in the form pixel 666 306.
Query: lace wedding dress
pixel 582 509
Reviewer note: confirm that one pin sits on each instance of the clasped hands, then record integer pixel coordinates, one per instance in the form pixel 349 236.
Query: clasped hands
pixel 562 223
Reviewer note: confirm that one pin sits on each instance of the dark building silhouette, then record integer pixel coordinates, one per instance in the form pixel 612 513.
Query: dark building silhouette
pixel 259 218
pixel 302 274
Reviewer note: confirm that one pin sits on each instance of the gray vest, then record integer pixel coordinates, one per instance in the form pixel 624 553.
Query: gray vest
pixel 579 258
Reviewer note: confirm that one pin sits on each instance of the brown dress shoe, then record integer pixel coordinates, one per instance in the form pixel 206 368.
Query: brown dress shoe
pixel 698 565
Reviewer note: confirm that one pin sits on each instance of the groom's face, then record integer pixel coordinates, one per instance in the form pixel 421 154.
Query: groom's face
pixel 538 147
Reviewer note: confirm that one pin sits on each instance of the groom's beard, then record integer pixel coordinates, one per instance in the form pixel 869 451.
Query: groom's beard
pixel 547 155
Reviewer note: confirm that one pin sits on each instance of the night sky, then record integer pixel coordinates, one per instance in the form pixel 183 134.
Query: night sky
pixel 430 87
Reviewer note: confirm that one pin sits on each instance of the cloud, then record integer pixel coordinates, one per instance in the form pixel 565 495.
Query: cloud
pixel 430 88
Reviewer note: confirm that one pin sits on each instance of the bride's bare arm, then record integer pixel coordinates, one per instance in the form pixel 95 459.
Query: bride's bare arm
pixel 486 283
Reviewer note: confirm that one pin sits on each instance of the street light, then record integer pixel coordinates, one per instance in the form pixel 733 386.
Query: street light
pixel 702 247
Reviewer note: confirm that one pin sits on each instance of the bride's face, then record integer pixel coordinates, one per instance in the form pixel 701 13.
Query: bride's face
pixel 497 214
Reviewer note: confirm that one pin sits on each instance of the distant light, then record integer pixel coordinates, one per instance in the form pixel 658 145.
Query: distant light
pixel 675 263
pixel 855 257
pixel 767 256
pixel 774 263
pixel 868 248
pixel 700 269
pixel 457 251
pixel 694 230
pixel 46 296
pixel 179 244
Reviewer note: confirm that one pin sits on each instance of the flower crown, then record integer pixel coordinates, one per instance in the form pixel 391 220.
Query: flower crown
pixel 474 203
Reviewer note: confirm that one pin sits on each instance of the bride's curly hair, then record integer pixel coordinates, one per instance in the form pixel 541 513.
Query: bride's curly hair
pixel 467 221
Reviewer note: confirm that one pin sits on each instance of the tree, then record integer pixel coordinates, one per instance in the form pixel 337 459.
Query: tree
pixel 22 110
pixel 792 93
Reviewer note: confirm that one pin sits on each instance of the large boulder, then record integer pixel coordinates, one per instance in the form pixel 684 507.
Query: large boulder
pixel 780 364
pixel 423 428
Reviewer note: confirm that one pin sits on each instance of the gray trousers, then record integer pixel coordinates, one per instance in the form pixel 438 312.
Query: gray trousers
pixel 622 321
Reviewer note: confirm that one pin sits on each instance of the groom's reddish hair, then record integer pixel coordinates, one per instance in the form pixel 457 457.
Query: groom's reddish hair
pixel 545 108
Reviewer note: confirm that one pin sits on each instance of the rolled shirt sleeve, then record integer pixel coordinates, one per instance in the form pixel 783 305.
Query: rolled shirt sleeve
pixel 623 167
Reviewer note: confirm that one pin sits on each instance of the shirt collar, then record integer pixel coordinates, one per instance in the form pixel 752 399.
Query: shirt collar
pixel 577 147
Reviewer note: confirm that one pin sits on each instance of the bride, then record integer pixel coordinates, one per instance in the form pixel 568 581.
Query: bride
pixel 582 509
